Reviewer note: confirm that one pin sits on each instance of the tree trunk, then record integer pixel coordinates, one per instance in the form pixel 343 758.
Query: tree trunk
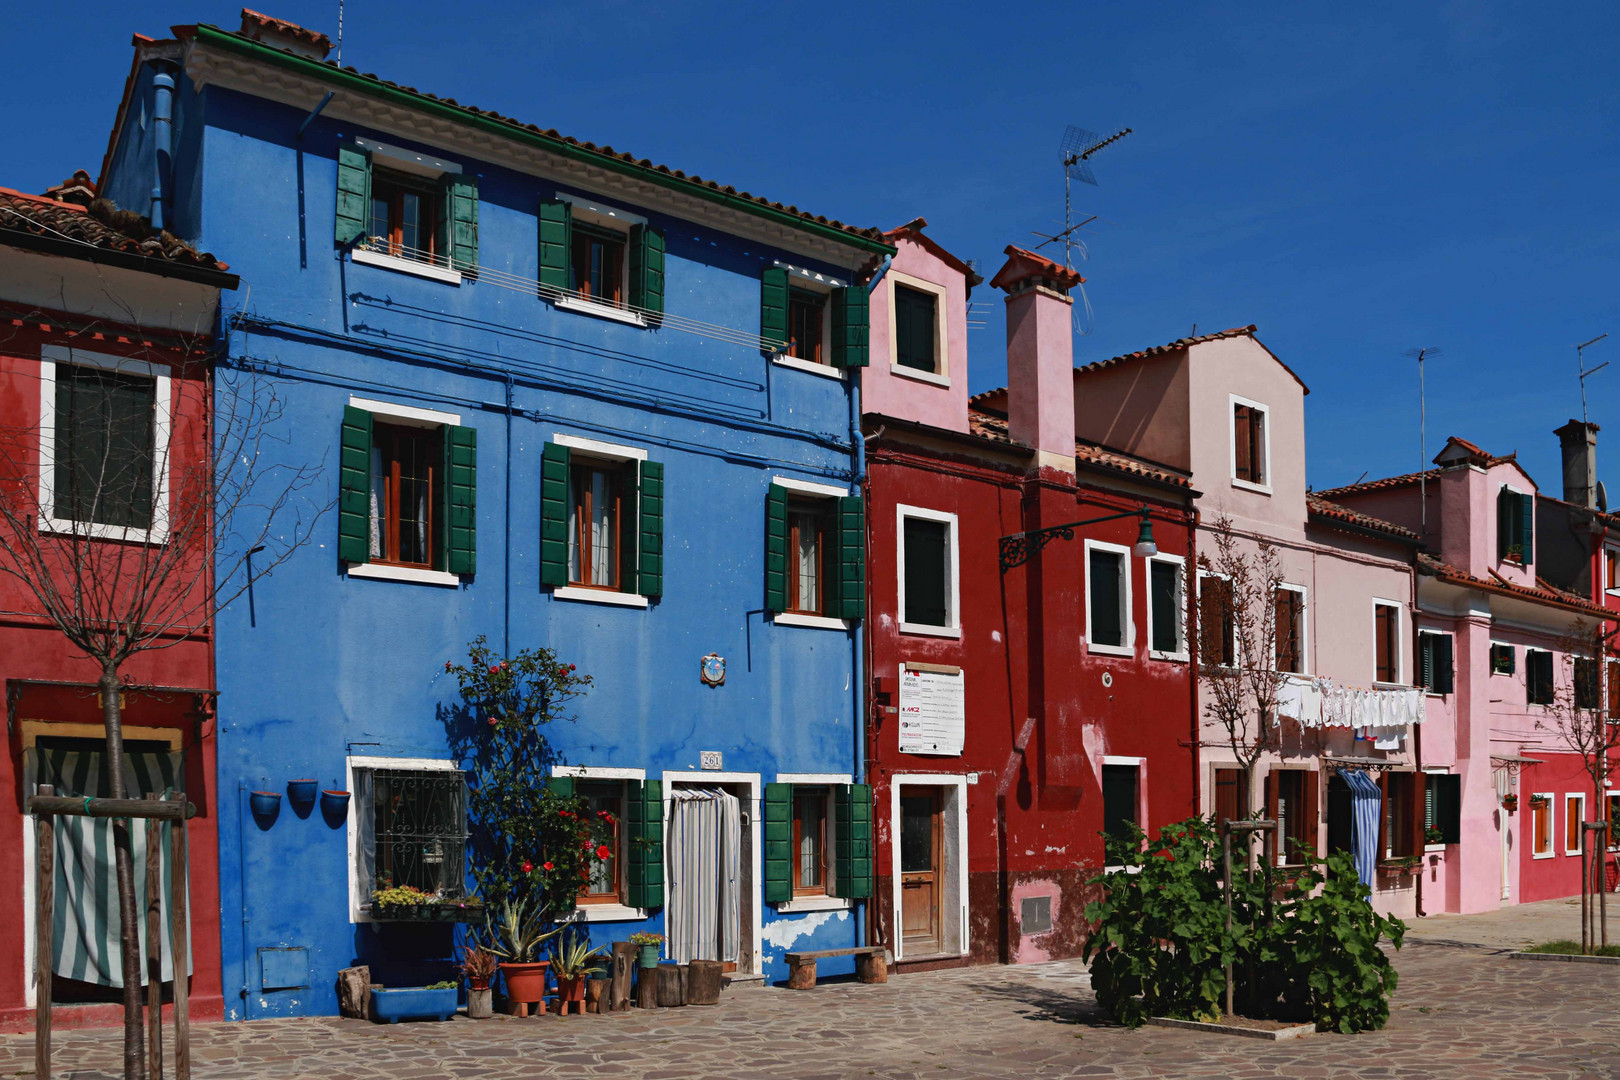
pixel 134 1035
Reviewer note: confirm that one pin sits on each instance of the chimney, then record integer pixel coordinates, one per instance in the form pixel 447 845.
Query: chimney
pixel 1578 439
pixel 1040 355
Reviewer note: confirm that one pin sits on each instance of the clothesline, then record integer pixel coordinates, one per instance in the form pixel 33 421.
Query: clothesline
pixel 1382 715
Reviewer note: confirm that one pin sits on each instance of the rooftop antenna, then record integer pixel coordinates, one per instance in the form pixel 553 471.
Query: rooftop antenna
pixel 1429 352
pixel 1580 366
pixel 1077 148
pixel 340 33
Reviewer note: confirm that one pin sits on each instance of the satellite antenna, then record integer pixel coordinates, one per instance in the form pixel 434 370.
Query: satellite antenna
pixel 1077 149
pixel 1580 366
pixel 1426 353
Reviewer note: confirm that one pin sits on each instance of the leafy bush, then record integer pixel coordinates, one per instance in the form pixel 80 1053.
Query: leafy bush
pixel 1302 945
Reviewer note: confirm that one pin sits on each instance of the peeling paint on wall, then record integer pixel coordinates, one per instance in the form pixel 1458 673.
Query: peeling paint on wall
pixel 784 932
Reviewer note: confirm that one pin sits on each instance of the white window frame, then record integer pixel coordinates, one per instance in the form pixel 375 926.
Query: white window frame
pixel 1563 823
pixel 596 450
pixel 1140 765
pixel 1182 653
pixel 1400 640
pixel 1233 401
pixel 941 375
pixel 603 216
pixel 403 416
pixel 162 425
pixel 1236 658
pixel 1614 835
pixel 1304 629
pixel 824 284
pixel 1498 559
pixel 1552 832
pixel 1528 649
pixel 398 159
pixel 816 491
pixel 1429 631
pixel 828 902
pixel 953 595
pixel 1426 772
pixel 356 914
pixel 1508 644
pixel 1603 568
pixel 1127 623
pixel 593 913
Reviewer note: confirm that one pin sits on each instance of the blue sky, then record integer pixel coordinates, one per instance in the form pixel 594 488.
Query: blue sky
pixel 1355 179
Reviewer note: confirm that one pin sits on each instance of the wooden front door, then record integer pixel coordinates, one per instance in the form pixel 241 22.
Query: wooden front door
pixel 921 859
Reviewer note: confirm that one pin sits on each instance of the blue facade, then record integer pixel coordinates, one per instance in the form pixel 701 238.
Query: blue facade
pixel 324 667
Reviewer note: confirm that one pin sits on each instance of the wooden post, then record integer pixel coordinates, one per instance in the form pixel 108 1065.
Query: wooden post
pixel 668 979
pixel 646 988
pixel 624 965
pixel 154 946
pixel 44 922
pixel 180 931
pixel 703 982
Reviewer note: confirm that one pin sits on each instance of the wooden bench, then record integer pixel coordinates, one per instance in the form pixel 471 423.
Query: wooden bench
pixel 869 965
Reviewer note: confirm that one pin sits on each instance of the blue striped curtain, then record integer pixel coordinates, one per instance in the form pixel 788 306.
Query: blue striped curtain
pixel 85 938
pixel 1366 808
pixel 705 856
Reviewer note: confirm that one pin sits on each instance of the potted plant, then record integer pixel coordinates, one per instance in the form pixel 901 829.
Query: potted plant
pixel 516 934
pixel 479 966
pixel 436 1001
pixel 406 903
pixel 646 944
pixel 1433 835
pixel 1540 800
pixel 572 959
pixel 1510 802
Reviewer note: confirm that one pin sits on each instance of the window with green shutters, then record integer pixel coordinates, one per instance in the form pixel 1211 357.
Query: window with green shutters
pixel 1515 526
pixel 643 852
pixel 778 830
pixel 1442 805
pixel 852 843
pixel 815 554
pixel 916 329
pixel 818 841
pixel 1435 672
pixel 601 522
pixel 851 327
pixel 407 493
pixel 598 261
pixel 1538 677
pixel 783 311
pixel 403 214
pixel 773 309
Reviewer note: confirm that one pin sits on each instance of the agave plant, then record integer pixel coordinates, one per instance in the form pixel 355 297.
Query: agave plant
pixel 514 931
pixel 573 956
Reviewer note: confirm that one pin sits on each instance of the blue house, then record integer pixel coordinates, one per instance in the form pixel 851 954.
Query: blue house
pixel 564 398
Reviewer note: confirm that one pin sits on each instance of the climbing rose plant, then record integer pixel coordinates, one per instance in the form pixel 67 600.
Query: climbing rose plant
pixel 528 843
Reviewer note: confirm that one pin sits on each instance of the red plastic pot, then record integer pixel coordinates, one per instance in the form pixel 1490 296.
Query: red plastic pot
pixel 526 983
pixel 571 989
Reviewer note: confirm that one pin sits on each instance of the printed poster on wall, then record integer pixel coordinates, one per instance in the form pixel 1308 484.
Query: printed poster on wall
pixel 932 712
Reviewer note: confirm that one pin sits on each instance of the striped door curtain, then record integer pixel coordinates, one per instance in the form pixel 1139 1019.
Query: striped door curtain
pixel 85 940
pixel 704 851
pixel 1366 808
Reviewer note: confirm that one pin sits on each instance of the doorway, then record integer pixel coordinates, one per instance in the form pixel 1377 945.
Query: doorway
pixel 709 865
pixel 921 870
pixel 927 865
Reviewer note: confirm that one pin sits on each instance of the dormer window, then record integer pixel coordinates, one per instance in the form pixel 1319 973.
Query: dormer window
pixel 1251 446
pixel 805 312
pixel 1515 526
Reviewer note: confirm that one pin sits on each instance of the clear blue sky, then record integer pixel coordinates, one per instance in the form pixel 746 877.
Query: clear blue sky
pixel 1355 179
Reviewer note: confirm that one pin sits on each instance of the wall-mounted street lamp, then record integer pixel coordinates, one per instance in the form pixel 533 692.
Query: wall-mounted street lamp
pixel 1017 548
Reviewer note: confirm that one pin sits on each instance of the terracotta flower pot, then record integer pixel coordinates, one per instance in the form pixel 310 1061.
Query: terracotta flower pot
pixel 526 982
pixel 571 989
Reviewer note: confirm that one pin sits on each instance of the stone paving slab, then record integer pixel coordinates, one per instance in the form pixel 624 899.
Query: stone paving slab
pixel 1459 1012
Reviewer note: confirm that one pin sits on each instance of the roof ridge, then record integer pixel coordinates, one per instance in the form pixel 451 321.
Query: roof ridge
pixel 46 199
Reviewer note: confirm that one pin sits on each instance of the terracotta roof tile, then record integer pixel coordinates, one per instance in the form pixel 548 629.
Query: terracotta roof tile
pixel 254 24
pixel 1182 343
pixel 1471 452
pixel 100 225
pixel 1343 515
pixel 990 426
pixel 1022 265
pixel 1541 593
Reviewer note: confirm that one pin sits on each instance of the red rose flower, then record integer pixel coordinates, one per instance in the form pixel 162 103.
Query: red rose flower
pixel 447 665
pixel 603 852
pixel 548 866
pixel 494 669
pixel 527 866
pixel 492 721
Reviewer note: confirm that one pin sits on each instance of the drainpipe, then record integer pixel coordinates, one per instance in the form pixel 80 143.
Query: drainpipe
pixel 162 139
pixel 858 450
pixel 1417 735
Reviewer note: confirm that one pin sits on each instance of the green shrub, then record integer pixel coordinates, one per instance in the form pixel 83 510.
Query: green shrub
pixel 1565 947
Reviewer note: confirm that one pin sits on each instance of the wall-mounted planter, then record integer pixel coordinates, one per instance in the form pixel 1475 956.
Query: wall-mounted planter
pixel 412 1003
pixel 449 911
pixel 302 791
pixel 265 804
pixel 334 803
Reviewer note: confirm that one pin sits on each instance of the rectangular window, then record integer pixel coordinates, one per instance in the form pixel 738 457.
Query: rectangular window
pixel 417 829
pixel 595 521
pixel 1227 804
pixel 1400 809
pixel 915 331
pixel 1613 818
pixel 1295 792
pixel 1611 569
pixel 603 796
pixel 104 447
pixel 1119 791
pixel 1290 630
pixel 1387 636
pixel 1515 525
pixel 597 269
pixel 405 494
pixel 809 840
pixel 1586 683
pixel 404 219
pixel 807 546
pixel 805 310
pixel 928 576
pixel 1249 450
pixel 1217 642
pixel 1108 598
pixel 1574 815
pixel 1502 658
pixel 1435 671
pixel 1541 824
pixel 1443 805
pixel 1165 638
pixel 1538 676
pixel 1614 689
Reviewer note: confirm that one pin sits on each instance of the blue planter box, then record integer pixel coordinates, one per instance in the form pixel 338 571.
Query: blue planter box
pixel 412 1003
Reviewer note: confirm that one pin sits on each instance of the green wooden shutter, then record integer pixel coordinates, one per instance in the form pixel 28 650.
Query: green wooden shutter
pixel 850 527
pixel 554 515
pixel 778 843
pixel 1443 674
pixel 851 327
pixel 556 243
pixel 776 534
pixel 644 843
pixel 462 215
pixel 353 193
pixel 1447 806
pixel 773 308
pixel 1527 528
pixel 354 486
pixel 647 268
pixel 461 499
pixel 650 535
pixel 561 786
pixel 852 845
pixel 629 518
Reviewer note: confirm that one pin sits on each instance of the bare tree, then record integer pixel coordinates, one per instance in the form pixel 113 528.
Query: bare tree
pixel 131 521
pixel 1578 717
pixel 1237 633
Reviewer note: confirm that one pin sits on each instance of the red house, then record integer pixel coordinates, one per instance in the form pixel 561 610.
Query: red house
pixel 104 332
pixel 1016 713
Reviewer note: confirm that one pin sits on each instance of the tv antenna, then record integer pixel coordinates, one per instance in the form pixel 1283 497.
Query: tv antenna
pixel 1580 366
pixel 1077 149
pixel 1426 353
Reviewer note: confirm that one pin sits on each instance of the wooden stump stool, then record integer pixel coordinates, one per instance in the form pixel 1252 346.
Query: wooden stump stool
pixel 703 982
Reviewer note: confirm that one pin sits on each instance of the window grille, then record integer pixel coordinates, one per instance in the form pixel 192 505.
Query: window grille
pixel 419 830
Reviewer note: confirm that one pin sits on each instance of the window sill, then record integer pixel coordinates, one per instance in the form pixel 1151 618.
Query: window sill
pixel 92 531
pixel 1173 657
pixel 826 371
pixel 930 631
pixel 814 903
pixel 1245 485
pixel 591 913
pixel 406 266
pixel 409 574
pixel 1541 855
pixel 920 375
pixel 1429 849
pixel 1110 650
pixel 599 596
pixel 817 622
pixel 600 310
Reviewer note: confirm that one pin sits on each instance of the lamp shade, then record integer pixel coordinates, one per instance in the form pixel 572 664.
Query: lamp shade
pixel 1145 547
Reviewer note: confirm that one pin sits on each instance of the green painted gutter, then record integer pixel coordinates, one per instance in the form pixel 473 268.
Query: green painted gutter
pixel 348 80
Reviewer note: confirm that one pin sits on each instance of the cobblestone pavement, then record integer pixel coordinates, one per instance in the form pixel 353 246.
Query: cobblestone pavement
pixel 1460 1011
